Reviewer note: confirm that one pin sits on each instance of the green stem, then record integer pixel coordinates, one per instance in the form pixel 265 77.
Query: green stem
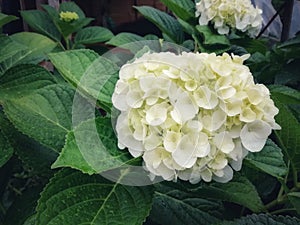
pixel 295 176
pixel 67 43
pixel 62 46
pixel 2 208
pixel 282 211
pixel 196 43
pixel 276 202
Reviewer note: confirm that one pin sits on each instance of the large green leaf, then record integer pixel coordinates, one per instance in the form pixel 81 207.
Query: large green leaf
pixel 4 19
pixel 184 9
pixel 269 160
pixel 124 38
pixel 285 94
pixel 90 73
pixel 22 80
pixel 38 45
pixel 289 135
pixel 9 48
pixel 294 198
pixel 11 53
pixel 166 23
pixel 44 115
pixel 177 207
pixel 74 198
pixel 239 190
pixel 92 35
pixel 92 148
pixel 263 219
pixel 41 22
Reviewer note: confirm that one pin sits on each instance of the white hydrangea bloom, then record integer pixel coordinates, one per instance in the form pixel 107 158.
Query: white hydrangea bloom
pixel 226 14
pixel 193 116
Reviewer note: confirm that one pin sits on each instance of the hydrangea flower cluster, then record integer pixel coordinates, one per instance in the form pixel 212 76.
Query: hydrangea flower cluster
pixel 226 14
pixel 68 16
pixel 192 116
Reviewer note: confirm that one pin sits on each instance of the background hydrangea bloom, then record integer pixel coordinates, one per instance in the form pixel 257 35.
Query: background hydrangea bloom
pixel 68 16
pixel 226 14
pixel 193 116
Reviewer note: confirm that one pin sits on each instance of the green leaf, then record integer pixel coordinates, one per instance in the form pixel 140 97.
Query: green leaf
pixel 4 19
pixel 41 22
pixel 251 45
pixel 38 45
pixel 188 28
pixel 176 207
pixel 6 150
pixel 294 198
pixel 22 80
pixel 92 35
pixel 285 94
pixel 83 199
pixel 94 75
pixel 263 219
pixel 239 190
pixel 10 53
pixel 269 160
pixel 289 135
pixel 184 9
pixel 124 38
pixel 9 48
pixel 44 115
pixel 92 148
pixel 210 38
pixel 166 23
pixel 51 11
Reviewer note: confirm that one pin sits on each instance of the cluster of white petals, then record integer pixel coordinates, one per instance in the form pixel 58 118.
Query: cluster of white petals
pixel 226 14
pixel 192 116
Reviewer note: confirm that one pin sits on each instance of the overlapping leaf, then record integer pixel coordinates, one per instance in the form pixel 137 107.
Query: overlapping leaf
pixel 92 74
pixel 103 202
pixel 178 207
pixel 92 148
pixel 269 160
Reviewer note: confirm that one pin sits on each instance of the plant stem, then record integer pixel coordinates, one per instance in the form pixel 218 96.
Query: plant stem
pixel 295 176
pixel 282 210
pixel 2 208
pixel 67 43
pixel 277 201
pixel 62 46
